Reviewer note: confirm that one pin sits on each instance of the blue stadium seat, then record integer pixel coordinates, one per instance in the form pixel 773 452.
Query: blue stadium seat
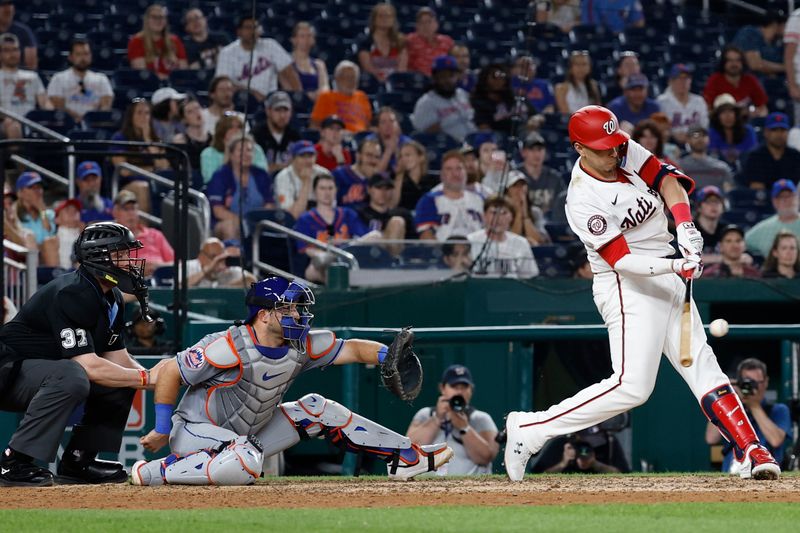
pixel 190 80
pixel 301 103
pixel 164 276
pixel 56 120
pixel 310 135
pixel 109 121
pixel 560 233
pixel 408 82
pixel 744 199
pixel 142 80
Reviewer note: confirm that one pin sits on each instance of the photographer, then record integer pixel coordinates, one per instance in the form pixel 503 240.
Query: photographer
pixel 772 422
pixel 579 458
pixel 469 432
pixel 144 338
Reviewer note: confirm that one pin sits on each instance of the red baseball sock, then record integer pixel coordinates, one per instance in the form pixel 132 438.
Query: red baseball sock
pixel 725 411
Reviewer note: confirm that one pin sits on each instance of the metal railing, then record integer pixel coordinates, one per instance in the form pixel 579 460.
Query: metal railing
pixel 20 278
pixel 49 174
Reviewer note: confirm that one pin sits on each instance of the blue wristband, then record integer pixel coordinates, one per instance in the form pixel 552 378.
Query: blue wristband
pixel 163 418
pixel 382 351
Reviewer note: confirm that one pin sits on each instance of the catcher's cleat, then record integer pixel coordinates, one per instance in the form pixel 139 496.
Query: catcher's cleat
pixel 428 458
pixel 92 472
pixel 757 463
pixel 16 473
pixel 140 475
pixel 518 450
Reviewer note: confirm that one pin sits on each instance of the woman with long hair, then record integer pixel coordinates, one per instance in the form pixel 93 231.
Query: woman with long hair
pixel 730 136
pixel 525 222
pixel 194 138
pixel 213 156
pixel 650 135
pixel 155 48
pixel 383 51
pixel 578 88
pixel 312 71
pixel 493 100
pixel 412 179
pixel 783 260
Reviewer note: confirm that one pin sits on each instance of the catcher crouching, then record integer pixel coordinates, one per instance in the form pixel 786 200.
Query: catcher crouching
pixel 232 415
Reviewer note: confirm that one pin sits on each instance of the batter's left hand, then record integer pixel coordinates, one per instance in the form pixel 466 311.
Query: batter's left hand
pixel 154 441
pixel 690 242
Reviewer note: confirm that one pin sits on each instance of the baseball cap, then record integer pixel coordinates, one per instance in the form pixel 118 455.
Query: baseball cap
pixel 708 190
pixel 301 147
pixel 783 185
pixel 455 374
pixel 776 121
pixel 696 128
pixel 27 179
pixel 724 99
pixel 166 93
pixel 381 179
pixel 278 99
pixel 515 176
pixel 87 168
pixel 680 68
pixel 444 62
pixel 468 149
pixel 125 197
pixel 425 11
pixel 729 228
pixel 534 139
pixel 636 80
pixel 74 202
pixel 582 448
pixel 479 138
pixel 331 120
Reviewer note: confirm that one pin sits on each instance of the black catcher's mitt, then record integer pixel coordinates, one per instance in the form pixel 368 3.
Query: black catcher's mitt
pixel 401 371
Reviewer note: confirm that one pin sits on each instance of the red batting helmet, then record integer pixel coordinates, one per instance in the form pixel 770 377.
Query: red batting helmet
pixel 596 127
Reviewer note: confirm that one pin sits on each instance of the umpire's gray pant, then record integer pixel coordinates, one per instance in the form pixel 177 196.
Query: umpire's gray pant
pixel 48 391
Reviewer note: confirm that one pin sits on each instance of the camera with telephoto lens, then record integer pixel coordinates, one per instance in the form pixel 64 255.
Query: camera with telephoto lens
pixel 458 404
pixel 748 386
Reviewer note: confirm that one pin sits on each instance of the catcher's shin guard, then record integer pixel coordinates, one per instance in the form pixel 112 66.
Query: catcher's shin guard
pixel 724 409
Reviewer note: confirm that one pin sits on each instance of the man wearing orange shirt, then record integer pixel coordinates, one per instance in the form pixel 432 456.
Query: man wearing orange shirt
pixel 352 105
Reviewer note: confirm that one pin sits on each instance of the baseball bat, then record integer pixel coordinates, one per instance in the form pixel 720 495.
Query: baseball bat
pixel 686 327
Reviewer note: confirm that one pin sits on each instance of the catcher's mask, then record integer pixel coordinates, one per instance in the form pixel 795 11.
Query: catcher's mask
pixel 285 297
pixel 111 252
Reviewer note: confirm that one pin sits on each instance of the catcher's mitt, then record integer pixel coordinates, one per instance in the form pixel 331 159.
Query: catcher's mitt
pixel 401 371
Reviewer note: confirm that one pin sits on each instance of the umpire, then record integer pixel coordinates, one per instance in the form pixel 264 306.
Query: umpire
pixel 65 348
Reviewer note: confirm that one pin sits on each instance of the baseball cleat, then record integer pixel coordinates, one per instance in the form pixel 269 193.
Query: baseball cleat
pixel 517 453
pixel 429 459
pixel 763 465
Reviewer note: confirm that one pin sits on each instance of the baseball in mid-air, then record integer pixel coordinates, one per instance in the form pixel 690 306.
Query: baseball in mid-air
pixel 719 327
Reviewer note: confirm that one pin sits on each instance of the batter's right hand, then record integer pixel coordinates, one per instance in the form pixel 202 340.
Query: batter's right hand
pixel 154 441
pixel 690 267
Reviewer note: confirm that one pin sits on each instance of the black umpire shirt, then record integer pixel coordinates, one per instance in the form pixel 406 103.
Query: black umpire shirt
pixel 69 316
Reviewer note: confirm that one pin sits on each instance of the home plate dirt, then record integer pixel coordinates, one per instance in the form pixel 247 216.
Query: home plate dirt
pixel 372 492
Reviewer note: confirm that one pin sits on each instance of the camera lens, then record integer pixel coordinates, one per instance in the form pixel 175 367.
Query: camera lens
pixel 458 403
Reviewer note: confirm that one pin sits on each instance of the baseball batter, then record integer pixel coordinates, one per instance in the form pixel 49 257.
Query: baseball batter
pixel 232 415
pixel 615 204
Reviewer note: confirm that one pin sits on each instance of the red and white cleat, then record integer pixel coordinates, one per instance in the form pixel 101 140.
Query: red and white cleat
pixel 758 463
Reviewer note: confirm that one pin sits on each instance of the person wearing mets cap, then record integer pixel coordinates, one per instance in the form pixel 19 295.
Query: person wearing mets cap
pixel 615 204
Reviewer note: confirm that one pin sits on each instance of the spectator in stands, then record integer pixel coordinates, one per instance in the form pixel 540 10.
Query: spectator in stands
pixel 425 44
pixel 345 100
pixel 194 138
pixel 276 134
pixel 327 223
pixel 22 90
pixel 157 250
pixel 351 180
pixel 155 48
pixel 578 88
pixel 454 210
pixel 507 254
pixel 491 162
pixel 331 151
pixel 94 206
pixel 733 261
pixel 783 260
pixel 213 157
pixel 412 179
pixel 733 79
pixel 627 65
pixel 202 46
pixel 579 457
pixel 565 14
pixel 538 91
pixel 393 223
pixel 761 43
pixel 272 64
pixel 383 50
pixel 166 113
pixel 582 267
pixel 293 191
pixel 703 168
pixel 710 203
pixel 634 105
pixel 787 217
pixel 311 71
pixel 25 37
pixel 211 267
pixel 35 217
pixel 143 337
pixel 791 58
pixel 682 108
pixel 494 103
pixel 613 15
pixel 456 254
pixel 12 228
pixel 466 76
pixel 730 136
pixel 664 126
pixel 648 134
pixel 544 183
pixel 390 136
pixel 238 187
pixel 69 227
pixel 445 108
pixel 525 222
pixel 77 89
pixel 772 421
pixel 772 159
pixel 137 125
pixel 220 94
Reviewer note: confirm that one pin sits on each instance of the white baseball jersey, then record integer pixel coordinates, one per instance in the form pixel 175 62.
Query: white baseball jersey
pixel 681 116
pixel 599 211
pixel 80 100
pixel 269 58
pixel 509 258
pixel 19 89
pixel 288 184
pixel 449 217
pixel 792 35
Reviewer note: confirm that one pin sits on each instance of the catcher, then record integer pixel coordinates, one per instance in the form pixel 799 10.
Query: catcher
pixel 232 415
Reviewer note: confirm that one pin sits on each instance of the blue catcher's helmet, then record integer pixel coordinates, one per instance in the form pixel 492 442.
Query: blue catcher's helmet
pixel 277 292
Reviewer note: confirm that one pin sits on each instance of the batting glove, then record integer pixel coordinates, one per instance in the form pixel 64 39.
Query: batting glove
pixel 689 267
pixel 690 242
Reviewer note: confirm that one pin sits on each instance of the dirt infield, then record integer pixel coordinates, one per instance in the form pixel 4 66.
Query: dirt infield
pixel 371 492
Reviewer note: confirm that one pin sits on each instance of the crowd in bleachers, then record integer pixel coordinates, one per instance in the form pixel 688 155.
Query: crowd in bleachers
pixel 370 121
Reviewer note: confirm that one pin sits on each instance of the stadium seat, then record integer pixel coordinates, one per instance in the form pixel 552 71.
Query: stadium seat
pixel 164 276
pixel 372 256
pixel 56 120
pixel 142 80
pixel 276 248
pixel 190 80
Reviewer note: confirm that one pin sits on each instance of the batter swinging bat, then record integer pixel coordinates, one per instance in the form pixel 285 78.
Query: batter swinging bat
pixel 686 327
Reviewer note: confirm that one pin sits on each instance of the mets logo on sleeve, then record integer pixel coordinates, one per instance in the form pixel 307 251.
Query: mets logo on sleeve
pixel 194 357
pixel 597 225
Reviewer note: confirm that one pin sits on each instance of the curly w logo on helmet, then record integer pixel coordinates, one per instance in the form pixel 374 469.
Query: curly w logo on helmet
pixel 610 127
